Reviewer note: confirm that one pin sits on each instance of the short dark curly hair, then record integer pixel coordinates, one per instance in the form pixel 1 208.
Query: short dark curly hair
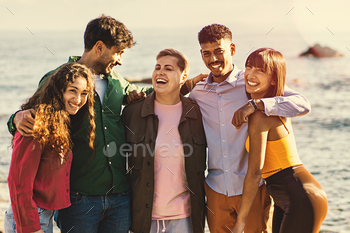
pixel 213 33
pixel 108 30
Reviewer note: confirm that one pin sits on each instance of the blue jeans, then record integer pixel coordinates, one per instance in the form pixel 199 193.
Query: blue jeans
pixel 183 225
pixel 96 214
pixel 45 217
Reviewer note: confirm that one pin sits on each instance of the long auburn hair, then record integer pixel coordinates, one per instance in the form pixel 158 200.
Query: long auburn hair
pixel 52 121
pixel 274 64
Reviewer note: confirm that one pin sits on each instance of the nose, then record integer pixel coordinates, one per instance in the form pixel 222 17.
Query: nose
pixel 213 58
pixel 77 99
pixel 119 60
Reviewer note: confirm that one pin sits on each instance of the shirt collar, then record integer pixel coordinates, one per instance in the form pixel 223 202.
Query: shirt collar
pixel 187 107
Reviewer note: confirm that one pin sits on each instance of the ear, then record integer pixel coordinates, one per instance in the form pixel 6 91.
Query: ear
pixel 273 82
pixel 183 78
pixel 99 47
pixel 232 49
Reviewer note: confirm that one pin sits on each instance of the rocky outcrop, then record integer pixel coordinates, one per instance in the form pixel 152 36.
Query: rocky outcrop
pixel 318 51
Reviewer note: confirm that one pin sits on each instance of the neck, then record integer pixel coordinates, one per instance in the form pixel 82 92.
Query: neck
pixel 167 99
pixel 87 59
pixel 221 78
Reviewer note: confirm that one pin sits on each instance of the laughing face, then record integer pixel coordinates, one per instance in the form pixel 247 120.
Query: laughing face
pixel 217 57
pixel 75 95
pixel 167 77
pixel 257 81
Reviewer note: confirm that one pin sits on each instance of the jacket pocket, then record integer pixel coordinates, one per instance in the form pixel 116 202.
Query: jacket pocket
pixel 200 151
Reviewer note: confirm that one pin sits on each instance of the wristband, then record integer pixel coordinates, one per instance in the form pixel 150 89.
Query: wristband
pixel 252 102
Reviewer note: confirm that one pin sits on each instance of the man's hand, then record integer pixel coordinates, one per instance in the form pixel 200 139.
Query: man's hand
pixel 241 115
pixel 200 77
pixel 134 95
pixel 24 121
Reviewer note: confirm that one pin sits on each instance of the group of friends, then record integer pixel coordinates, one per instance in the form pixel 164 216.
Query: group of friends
pixel 82 159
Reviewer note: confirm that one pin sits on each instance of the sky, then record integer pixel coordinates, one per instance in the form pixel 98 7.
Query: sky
pixel 306 17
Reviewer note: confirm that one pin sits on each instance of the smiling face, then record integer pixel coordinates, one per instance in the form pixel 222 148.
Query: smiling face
pixel 217 56
pixel 167 77
pixel 257 81
pixel 107 60
pixel 75 95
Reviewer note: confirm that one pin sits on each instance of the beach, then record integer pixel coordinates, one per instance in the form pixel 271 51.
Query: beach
pixel 321 136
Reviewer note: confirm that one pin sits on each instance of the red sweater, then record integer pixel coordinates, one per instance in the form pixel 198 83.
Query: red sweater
pixel 36 179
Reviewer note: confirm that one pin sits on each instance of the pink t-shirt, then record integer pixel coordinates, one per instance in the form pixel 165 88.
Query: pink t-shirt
pixel 171 196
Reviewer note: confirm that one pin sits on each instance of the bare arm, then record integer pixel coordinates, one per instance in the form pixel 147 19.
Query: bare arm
pixel 258 131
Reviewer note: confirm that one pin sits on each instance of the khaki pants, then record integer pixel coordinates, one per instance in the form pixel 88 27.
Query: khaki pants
pixel 222 211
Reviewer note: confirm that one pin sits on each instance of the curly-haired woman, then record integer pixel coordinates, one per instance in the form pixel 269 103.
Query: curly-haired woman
pixel 40 166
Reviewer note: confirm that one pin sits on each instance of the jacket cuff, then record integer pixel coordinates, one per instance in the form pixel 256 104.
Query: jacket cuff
pixel 10 125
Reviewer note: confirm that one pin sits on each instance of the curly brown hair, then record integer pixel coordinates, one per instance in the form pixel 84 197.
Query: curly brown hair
pixel 52 121
pixel 213 33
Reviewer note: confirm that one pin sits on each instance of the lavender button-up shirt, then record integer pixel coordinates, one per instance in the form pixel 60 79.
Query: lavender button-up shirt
pixel 227 156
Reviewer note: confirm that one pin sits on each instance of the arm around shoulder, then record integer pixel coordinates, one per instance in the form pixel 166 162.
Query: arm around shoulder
pixel 290 105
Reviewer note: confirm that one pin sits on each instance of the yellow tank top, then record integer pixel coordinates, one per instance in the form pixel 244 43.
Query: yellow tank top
pixel 279 155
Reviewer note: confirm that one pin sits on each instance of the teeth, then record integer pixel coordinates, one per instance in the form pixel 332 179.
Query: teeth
pixel 252 83
pixel 73 106
pixel 160 80
pixel 215 66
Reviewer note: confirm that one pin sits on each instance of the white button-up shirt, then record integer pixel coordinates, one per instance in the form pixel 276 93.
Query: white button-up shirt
pixel 227 156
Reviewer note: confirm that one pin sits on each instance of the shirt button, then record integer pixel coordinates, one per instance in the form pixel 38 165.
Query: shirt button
pixel 219 85
pixel 226 170
pixel 148 184
pixel 147 205
pixel 67 174
pixel 220 94
pixel 148 163
pixel 67 190
pixel 150 141
pixel 102 110
pixel 225 156
pixel 105 127
pixel 107 145
pixel 222 124
pixel 110 162
pixel 220 109
pixel 224 140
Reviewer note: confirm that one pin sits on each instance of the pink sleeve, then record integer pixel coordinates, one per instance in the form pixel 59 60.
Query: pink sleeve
pixel 25 161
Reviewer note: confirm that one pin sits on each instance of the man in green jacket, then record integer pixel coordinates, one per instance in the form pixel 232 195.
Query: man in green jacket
pixel 99 189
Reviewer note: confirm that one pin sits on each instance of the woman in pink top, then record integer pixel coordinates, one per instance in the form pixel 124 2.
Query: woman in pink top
pixel 40 166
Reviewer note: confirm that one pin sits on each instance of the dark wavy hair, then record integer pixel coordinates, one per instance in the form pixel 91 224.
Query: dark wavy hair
pixel 273 63
pixel 108 30
pixel 52 121
pixel 213 33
